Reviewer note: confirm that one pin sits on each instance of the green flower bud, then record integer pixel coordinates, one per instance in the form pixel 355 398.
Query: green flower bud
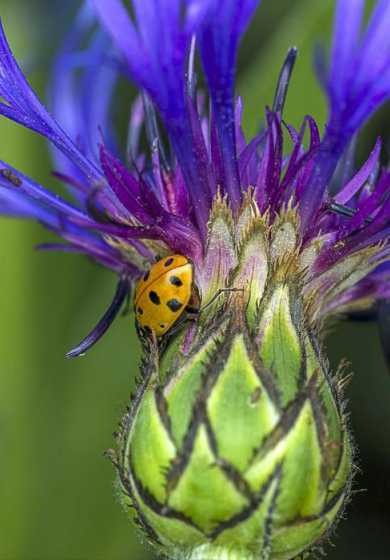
pixel 235 446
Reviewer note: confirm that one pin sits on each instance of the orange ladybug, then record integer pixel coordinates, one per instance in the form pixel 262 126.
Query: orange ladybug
pixel 163 294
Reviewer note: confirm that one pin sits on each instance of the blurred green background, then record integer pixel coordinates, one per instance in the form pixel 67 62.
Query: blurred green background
pixel 57 416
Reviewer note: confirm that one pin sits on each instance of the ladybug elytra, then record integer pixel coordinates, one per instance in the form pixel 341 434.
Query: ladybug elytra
pixel 163 294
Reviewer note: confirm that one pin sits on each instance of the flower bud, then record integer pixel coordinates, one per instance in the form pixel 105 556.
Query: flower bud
pixel 235 446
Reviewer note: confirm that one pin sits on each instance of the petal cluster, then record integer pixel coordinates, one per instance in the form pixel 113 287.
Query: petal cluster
pixel 129 207
pixel 357 82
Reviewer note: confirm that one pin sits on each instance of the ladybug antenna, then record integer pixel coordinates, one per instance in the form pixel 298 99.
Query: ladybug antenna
pixel 152 130
pixel 284 80
pixel 122 290
pixel 217 294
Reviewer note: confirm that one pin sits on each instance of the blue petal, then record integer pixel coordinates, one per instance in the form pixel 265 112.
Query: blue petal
pixel 359 77
pixel 22 106
pixel 156 47
pixel 346 36
pixel 81 101
pixel 358 83
pixel 28 189
pixel 21 197
pixel 218 45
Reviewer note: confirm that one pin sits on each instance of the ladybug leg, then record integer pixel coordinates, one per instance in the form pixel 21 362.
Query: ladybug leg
pixel 142 334
pixel 190 315
pixel 217 294
pixel 181 321
pixel 192 310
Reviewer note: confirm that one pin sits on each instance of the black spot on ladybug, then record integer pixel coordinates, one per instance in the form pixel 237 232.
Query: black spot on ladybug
pixel 162 326
pixel 174 305
pixel 140 310
pixel 146 275
pixel 175 281
pixel 147 329
pixel 169 261
pixel 153 296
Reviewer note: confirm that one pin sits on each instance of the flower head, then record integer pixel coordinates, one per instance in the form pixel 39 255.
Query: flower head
pixel 287 238
pixel 122 215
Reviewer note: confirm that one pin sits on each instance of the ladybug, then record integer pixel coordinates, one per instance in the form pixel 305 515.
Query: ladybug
pixel 163 294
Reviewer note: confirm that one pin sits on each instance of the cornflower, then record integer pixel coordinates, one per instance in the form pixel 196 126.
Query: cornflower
pixel 235 445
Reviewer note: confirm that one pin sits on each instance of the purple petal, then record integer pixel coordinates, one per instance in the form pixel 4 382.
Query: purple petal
pixel 247 156
pixel 141 202
pixel 275 158
pixel 359 78
pixel 156 48
pixel 17 204
pixel 61 247
pixel 353 186
pixel 346 36
pixel 33 191
pixel 284 81
pixel 218 43
pixel 124 185
pixel 135 125
pixel 105 322
pixel 372 203
pixel 81 89
pixel 375 48
pixel 358 83
pixel 180 201
pixel 374 287
pixel 22 106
